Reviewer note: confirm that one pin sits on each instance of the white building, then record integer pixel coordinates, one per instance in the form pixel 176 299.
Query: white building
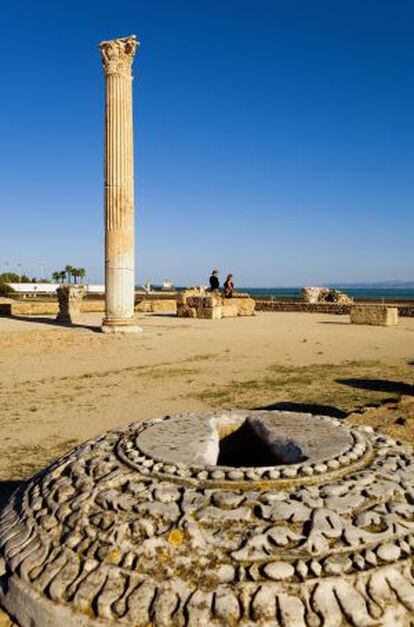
pixel 27 289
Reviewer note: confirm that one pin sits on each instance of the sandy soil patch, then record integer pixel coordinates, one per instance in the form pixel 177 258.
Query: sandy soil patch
pixel 60 386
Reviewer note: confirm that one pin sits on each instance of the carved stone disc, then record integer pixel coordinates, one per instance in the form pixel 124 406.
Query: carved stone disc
pixel 216 518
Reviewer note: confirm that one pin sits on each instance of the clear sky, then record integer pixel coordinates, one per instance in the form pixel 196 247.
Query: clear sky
pixel 273 138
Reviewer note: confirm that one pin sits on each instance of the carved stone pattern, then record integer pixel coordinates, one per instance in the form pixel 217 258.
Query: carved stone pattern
pixel 109 533
pixel 118 55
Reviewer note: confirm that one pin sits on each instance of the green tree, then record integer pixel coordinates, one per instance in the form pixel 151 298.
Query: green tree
pixel 62 275
pixel 9 277
pixel 5 278
pixel 56 276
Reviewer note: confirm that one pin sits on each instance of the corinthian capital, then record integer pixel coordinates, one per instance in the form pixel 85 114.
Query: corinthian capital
pixel 118 54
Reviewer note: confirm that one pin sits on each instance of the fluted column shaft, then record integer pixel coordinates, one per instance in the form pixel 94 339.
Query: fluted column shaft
pixel 118 56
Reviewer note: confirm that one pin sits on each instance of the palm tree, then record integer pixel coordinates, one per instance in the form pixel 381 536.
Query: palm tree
pixel 81 273
pixel 69 271
pixel 62 275
pixel 56 276
pixel 75 274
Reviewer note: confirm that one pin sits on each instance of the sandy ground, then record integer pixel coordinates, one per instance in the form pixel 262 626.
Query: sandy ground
pixel 60 386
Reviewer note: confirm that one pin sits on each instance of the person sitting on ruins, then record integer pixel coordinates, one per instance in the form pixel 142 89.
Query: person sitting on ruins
pixel 228 286
pixel 214 281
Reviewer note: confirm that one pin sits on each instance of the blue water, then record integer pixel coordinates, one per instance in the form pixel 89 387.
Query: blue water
pixel 365 293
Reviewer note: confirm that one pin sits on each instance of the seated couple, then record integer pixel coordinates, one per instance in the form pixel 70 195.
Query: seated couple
pixel 228 285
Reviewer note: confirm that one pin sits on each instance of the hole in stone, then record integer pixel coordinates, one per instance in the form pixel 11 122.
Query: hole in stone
pixel 246 446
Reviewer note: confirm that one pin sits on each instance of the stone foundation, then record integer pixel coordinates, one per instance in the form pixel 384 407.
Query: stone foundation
pixel 197 303
pixel 378 315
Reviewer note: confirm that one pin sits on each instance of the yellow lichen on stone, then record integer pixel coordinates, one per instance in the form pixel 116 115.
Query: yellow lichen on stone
pixel 175 537
pixel 113 556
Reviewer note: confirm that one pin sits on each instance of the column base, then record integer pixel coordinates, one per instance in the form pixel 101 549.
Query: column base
pixel 120 325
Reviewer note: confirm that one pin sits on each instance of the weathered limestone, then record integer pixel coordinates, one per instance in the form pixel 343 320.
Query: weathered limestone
pixel 324 295
pixel 69 299
pixel 378 315
pixel 216 518
pixel 198 303
pixel 118 55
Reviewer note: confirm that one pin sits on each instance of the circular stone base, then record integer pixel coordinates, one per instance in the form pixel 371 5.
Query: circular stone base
pixel 216 518
pixel 120 325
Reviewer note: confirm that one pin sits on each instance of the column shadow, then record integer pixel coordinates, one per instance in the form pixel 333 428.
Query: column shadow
pixel 57 323
pixel 380 385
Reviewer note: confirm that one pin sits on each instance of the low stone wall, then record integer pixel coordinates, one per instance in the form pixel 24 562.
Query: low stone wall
pixel 51 307
pixel 39 308
pixel 34 308
pixel 406 311
pixel 45 308
pixel 157 305
pixel 274 305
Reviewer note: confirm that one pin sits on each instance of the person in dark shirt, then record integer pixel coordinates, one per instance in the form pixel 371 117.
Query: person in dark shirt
pixel 228 286
pixel 214 281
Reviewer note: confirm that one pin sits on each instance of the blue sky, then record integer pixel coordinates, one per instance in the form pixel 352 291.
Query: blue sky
pixel 273 138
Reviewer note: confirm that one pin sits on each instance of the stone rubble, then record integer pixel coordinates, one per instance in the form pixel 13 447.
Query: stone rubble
pixel 324 295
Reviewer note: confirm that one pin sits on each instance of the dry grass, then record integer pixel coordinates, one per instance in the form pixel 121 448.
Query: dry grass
pixel 27 460
pixel 346 387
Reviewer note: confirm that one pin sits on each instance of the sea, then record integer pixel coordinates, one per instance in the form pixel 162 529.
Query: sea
pixel 386 294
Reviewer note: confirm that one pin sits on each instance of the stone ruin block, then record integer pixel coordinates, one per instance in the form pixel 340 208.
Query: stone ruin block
pixel 210 313
pixel 324 295
pixel 378 315
pixel 229 309
pixel 243 518
pixel 198 303
pixel 70 298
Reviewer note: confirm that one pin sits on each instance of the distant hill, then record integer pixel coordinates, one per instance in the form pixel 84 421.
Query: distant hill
pixel 400 285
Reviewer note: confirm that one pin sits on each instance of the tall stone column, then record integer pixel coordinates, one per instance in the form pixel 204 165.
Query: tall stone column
pixel 118 55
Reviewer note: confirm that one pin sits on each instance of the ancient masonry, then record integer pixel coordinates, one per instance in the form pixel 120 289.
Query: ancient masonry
pixel 118 55
pixel 377 315
pixel 158 523
pixel 197 302
pixel 69 299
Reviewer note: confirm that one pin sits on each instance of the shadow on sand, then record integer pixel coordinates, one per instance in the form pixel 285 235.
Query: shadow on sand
pixel 320 410
pixel 379 385
pixel 57 323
